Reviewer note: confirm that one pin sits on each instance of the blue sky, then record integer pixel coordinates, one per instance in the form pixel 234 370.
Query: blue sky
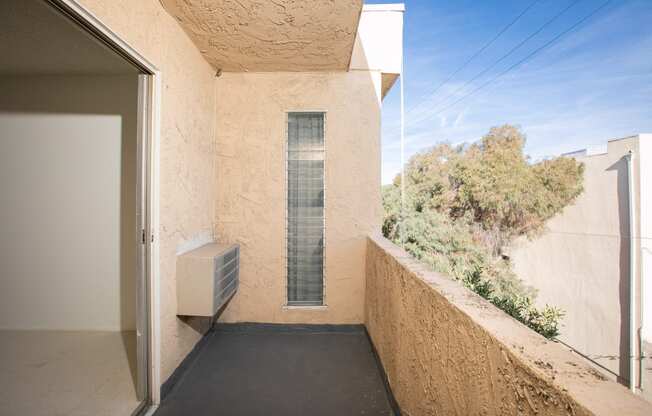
pixel 593 85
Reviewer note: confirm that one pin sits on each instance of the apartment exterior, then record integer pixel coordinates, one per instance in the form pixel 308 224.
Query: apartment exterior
pixel 250 165
pixel 240 96
pixel 593 261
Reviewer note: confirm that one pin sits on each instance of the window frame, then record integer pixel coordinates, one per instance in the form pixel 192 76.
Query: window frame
pixel 287 305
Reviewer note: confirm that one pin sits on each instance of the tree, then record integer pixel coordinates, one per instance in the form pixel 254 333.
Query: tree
pixel 493 185
pixel 464 204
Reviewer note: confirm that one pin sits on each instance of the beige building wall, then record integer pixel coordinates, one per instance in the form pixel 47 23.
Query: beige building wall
pixel 251 191
pixel 379 42
pixel 447 351
pixel 581 262
pixel 645 226
pixel 237 189
pixel 187 149
pixel 68 238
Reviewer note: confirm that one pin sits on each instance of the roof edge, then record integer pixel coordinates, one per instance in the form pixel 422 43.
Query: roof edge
pixel 602 147
pixel 384 7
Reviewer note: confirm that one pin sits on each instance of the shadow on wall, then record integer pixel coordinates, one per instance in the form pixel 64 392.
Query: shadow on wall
pixel 200 325
pixel 623 287
pixel 93 95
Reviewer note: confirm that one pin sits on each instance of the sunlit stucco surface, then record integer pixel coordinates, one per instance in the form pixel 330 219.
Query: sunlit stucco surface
pixel 447 351
pixel 284 35
pixel 251 190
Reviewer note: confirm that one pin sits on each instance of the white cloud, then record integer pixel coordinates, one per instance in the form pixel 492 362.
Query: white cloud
pixel 459 118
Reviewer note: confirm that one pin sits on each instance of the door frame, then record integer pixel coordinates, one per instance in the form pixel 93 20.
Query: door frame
pixel 149 107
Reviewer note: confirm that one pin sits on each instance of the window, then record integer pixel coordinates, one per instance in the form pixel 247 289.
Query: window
pixel 305 209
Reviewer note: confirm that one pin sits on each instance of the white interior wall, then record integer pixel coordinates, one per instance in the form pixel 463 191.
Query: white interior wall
pixel 68 235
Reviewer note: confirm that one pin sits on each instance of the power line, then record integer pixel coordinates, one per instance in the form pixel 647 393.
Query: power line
pixel 602 235
pixel 553 40
pixel 479 51
pixel 511 51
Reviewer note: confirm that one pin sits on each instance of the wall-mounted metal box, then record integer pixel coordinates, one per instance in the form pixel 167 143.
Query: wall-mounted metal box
pixel 207 277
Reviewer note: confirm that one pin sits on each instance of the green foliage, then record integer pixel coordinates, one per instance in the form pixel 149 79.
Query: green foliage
pixel 464 204
pixel 545 321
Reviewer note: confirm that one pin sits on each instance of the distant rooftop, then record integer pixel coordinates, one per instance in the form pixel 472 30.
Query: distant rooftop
pixel 601 148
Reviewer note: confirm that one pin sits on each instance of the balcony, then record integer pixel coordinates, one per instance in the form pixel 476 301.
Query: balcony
pixel 448 351
pixel 267 369
pixel 428 346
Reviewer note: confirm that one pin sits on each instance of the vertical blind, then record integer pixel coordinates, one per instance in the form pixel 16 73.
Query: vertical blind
pixel 305 209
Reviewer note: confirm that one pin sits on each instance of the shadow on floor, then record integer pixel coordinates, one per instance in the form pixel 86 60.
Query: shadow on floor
pixel 260 369
pixel 129 343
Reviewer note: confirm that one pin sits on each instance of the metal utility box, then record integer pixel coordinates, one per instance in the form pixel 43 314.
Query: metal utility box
pixel 207 277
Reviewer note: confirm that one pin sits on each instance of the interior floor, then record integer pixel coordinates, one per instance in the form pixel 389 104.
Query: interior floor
pixel 70 373
pixel 258 369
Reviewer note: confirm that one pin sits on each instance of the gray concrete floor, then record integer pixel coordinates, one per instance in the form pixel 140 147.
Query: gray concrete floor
pixel 254 369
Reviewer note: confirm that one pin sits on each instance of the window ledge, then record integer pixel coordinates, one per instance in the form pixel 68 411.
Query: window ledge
pixel 309 308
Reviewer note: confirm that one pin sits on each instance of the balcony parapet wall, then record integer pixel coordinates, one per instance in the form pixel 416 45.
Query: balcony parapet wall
pixel 446 350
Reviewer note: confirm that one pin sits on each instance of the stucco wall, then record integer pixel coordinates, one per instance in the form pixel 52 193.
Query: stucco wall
pixel 447 351
pixel 251 196
pixel 253 35
pixel 187 147
pixel 581 262
pixel 379 42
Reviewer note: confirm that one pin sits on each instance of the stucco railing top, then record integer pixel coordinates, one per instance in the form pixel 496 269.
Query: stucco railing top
pixel 448 351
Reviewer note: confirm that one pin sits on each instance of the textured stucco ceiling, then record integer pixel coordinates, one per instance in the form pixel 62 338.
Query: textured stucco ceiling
pixel 270 35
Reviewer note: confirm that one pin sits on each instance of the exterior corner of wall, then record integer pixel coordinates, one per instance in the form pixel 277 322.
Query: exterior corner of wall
pixel 379 41
pixel 187 147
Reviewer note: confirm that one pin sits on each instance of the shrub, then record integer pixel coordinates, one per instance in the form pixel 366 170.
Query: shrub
pixel 449 248
pixel 545 321
pixel 464 204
